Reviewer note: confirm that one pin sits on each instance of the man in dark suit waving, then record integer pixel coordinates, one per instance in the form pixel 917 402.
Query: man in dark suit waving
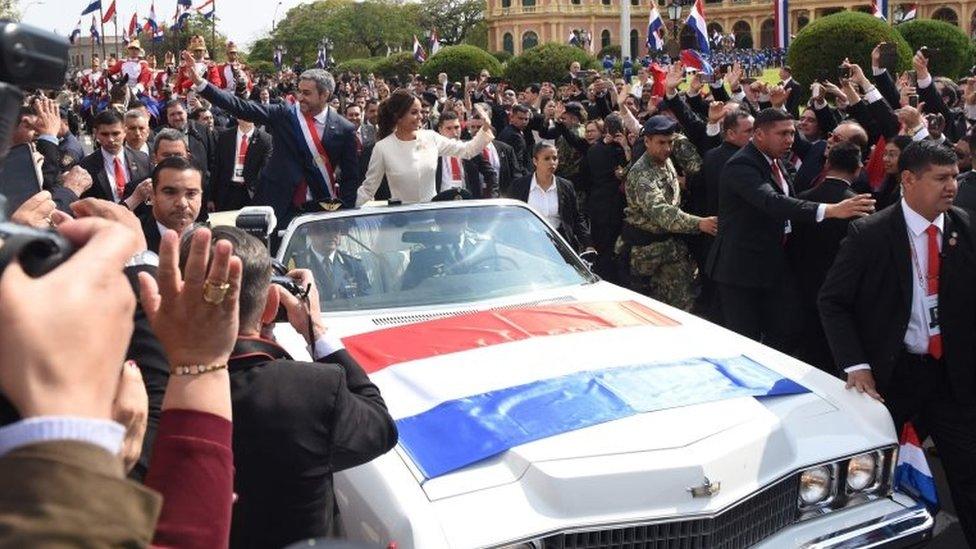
pixel 898 309
pixel 315 158
pixel 757 208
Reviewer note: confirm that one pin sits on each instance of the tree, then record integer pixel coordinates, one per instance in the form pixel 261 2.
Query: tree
pixel 950 48
pixel 822 45
pixel 178 41
pixel 375 25
pixel 9 11
pixel 300 32
pixel 399 65
pixel 458 62
pixel 360 66
pixel 452 19
pixel 545 63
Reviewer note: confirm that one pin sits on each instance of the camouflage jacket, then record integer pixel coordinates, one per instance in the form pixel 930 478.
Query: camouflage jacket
pixel 686 156
pixel 653 198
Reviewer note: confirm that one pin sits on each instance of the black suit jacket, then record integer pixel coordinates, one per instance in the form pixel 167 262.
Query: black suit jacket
pixel 297 423
pixel 472 168
pixel 514 139
pixel 509 167
pixel 794 99
pixel 258 153
pixel 290 160
pixel 138 166
pixel 573 225
pixel 151 231
pixel 865 303
pixel 814 247
pixel 712 166
pixel 749 250
pixel 966 197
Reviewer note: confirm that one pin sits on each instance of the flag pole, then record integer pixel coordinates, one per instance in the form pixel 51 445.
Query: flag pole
pixel 102 25
pixel 213 30
pixel 115 23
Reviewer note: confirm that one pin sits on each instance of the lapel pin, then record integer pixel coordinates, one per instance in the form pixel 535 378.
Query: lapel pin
pixel 952 238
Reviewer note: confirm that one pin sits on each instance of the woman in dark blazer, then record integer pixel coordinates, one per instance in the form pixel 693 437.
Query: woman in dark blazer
pixel 553 197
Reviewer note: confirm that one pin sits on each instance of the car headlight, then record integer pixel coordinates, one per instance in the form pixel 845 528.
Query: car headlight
pixel 816 485
pixel 862 471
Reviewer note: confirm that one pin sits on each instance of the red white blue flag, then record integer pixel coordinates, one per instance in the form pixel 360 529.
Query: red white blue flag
pixel 879 9
pixel 693 60
pixel 655 26
pixel 696 20
pixel 781 18
pixel 418 50
pixel 912 473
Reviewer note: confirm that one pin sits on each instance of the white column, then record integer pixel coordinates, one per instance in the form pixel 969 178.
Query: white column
pixel 624 29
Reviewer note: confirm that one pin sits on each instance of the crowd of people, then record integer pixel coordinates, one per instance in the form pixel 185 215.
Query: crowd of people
pixel 829 228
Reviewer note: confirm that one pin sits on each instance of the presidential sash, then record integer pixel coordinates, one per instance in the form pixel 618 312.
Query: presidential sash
pixel 324 174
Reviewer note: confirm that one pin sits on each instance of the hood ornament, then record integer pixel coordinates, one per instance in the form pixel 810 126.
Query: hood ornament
pixel 706 490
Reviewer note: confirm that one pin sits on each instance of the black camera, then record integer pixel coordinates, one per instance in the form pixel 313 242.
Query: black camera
pixel 33 59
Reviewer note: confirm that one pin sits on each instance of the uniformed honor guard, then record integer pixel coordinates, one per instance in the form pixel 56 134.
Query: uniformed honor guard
pixel 137 69
pixel 204 68
pixel 657 260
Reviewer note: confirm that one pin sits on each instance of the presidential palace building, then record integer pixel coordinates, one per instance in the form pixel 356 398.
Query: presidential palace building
pixel 516 25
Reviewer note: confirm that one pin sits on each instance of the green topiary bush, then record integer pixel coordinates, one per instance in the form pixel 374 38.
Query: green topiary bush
pixel 503 56
pixel 954 55
pixel 820 47
pixel 362 66
pixel 613 50
pixel 545 63
pixel 458 62
pixel 399 65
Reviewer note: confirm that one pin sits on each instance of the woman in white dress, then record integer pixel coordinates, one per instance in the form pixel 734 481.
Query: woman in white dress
pixel 407 155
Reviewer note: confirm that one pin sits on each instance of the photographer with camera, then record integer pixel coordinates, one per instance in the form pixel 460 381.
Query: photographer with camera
pixel 297 422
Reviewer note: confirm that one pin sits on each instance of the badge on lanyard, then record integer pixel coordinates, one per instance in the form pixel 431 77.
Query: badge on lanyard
pixel 932 314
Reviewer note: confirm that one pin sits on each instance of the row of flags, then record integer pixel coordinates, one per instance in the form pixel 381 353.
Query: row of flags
pixel 150 25
pixel 433 43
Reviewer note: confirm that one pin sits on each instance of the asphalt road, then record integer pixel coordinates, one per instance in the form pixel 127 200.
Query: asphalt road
pixel 948 534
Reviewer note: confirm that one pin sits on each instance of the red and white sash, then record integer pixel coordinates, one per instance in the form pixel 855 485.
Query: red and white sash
pixel 320 157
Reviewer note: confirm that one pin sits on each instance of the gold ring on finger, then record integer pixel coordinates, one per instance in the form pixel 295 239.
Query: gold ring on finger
pixel 214 293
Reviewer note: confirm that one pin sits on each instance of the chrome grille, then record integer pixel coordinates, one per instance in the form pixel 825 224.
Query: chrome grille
pixel 742 525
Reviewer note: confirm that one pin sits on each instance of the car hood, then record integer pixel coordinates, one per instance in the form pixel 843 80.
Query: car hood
pixel 738 441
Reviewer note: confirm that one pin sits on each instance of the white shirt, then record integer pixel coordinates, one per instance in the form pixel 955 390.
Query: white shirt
pixel 109 161
pixel 546 202
pixel 447 175
pixel 162 228
pixel 238 175
pixel 410 166
pixel 916 335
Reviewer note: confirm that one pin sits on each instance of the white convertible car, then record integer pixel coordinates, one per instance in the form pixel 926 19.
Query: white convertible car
pixel 539 407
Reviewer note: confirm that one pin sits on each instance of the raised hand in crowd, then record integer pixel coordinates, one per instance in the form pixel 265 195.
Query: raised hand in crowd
pixel 36 211
pixel 77 180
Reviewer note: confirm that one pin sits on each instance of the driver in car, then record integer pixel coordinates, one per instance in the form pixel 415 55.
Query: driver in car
pixel 339 275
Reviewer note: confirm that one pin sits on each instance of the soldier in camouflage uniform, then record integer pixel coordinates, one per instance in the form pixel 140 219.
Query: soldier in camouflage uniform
pixel 658 261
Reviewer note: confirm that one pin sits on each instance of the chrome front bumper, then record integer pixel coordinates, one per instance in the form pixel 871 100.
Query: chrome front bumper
pixel 905 528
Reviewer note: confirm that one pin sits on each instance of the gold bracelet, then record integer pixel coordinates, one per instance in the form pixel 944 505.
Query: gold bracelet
pixel 195 369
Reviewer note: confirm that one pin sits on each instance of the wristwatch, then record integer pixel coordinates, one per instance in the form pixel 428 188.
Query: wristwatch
pixel 143 258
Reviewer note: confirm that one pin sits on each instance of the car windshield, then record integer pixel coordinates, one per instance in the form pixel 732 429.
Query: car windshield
pixel 431 256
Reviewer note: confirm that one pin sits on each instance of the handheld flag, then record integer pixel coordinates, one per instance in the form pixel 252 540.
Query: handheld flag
pixel 151 25
pixel 696 20
pixel 320 59
pixel 109 13
pixel 134 26
pixel 910 13
pixel 693 59
pixel 655 26
pixel 93 7
pixel 418 50
pixel 185 3
pixel 76 33
pixel 204 6
pixel 96 38
pixel 573 38
pixel 912 473
pixel 879 9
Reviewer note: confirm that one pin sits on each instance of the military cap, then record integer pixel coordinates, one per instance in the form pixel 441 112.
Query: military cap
pixel 660 125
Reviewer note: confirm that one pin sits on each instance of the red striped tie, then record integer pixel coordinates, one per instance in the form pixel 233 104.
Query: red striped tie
pixel 935 341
